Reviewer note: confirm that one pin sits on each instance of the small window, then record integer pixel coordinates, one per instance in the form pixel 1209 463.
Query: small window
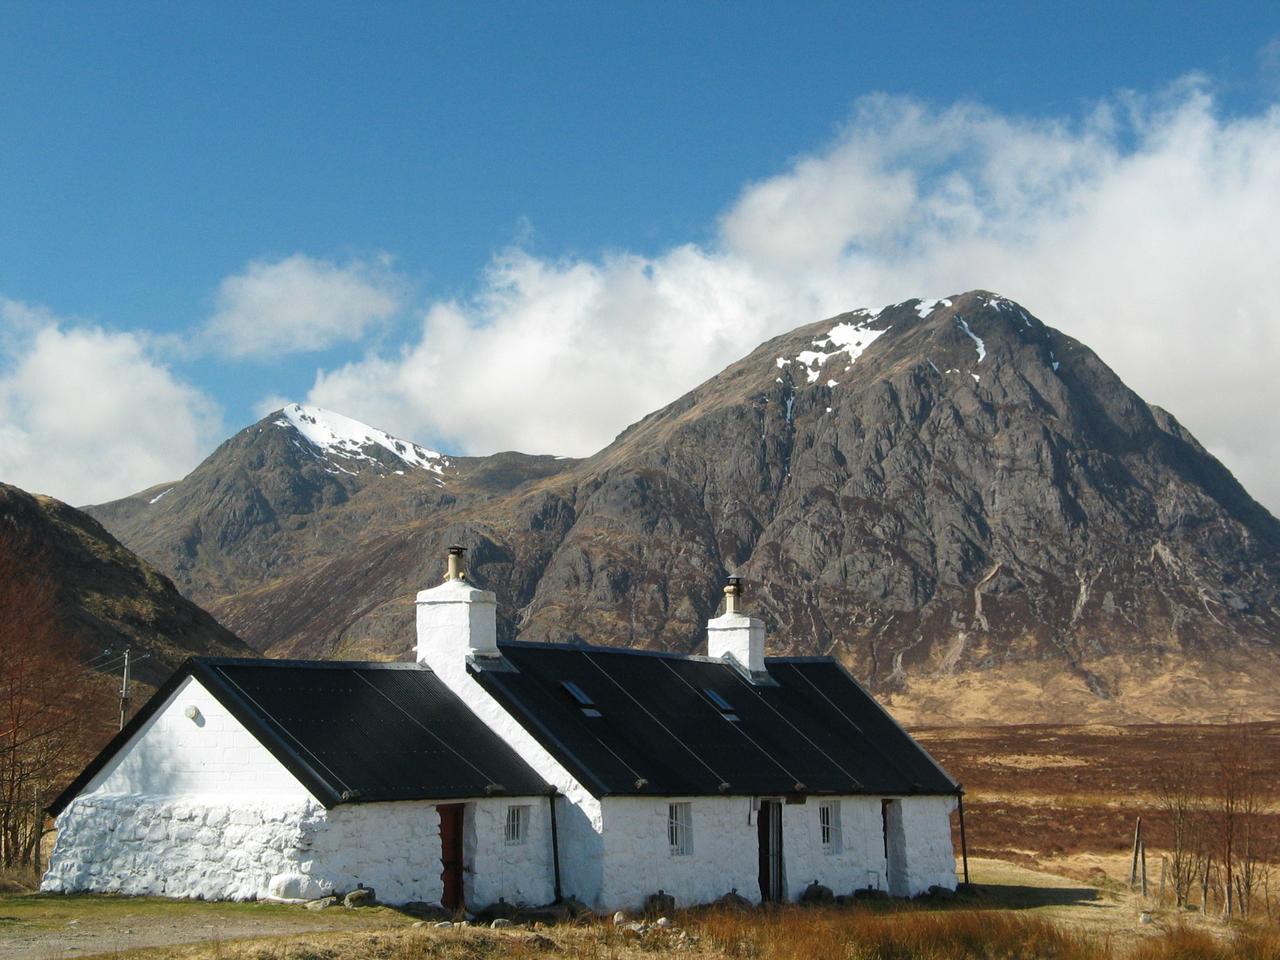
pixel 829 826
pixel 680 828
pixel 718 700
pixel 723 705
pixel 583 699
pixel 517 831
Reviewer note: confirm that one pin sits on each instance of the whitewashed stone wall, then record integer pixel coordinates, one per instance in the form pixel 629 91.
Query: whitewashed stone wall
pixel 520 873
pixel 638 859
pixel 931 858
pixel 197 847
pixel 175 847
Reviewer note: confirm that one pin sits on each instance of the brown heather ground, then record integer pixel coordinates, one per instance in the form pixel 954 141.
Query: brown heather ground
pixel 1066 797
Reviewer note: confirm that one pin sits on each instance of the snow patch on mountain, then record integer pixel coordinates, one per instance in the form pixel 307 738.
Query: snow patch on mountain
pixel 851 338
pixel 334 435
pixel 977 340
pixel 926 307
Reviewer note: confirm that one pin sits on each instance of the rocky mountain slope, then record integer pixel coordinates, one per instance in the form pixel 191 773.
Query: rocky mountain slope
pixel 966 506
pixel 103 595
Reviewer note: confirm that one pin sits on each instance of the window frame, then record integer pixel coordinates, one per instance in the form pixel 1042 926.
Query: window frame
pixel 515 831
pixel 829 827
pixel 680 828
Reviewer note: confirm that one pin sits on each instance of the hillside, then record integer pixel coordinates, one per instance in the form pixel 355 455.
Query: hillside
pixel 964 505
pixel 104 595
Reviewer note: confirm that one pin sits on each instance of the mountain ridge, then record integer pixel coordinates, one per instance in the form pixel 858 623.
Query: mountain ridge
pixel 964 505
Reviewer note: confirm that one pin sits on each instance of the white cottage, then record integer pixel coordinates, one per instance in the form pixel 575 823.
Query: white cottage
pixel 521 771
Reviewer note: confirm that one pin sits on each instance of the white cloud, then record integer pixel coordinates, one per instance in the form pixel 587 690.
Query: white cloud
pixel 1147 228
pixel 87 415
pixel 299 304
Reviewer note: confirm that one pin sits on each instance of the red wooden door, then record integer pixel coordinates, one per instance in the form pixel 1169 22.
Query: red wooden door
pixel 451 854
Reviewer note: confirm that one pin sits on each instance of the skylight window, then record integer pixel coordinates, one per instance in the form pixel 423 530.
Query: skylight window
pixel 584 701
pixel 718 700
pixel 723 705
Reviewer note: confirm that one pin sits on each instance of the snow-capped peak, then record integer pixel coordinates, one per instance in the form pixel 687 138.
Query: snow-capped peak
pixel 334 435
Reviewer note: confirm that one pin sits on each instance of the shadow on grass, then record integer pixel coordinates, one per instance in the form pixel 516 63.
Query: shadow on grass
pixel 1004 896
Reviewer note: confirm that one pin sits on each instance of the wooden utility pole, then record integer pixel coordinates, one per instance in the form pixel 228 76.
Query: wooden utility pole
pixel 125 696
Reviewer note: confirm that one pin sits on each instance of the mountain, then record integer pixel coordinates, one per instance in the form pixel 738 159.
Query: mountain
pixel 103 595
pixel 967 507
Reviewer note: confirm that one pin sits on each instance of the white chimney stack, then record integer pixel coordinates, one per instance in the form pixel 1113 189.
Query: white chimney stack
pixel 735 636
pixel 456 621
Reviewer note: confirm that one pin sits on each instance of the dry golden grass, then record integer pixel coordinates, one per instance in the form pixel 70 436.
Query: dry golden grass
pixel 897 933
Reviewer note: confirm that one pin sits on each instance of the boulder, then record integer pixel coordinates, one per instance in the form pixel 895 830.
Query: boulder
pixel 733 900
pixel 323 903
pixel 499 923
pixel 870 893
pixel 360 897
pixel 296 887
pixel 942 893
pixel 816 894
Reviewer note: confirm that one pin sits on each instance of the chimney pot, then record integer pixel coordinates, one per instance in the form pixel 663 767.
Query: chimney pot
pixel 732 591
pixel 457 559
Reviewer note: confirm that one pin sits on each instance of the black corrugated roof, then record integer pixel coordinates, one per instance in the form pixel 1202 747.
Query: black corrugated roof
pixel 659 732
pixel 350 732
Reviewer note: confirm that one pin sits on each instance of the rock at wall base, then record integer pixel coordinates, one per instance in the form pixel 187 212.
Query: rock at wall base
pixel 817 895
pixel 735 901
pixel 363 897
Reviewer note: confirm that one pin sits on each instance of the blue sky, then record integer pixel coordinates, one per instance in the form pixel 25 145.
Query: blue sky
pixel 172 171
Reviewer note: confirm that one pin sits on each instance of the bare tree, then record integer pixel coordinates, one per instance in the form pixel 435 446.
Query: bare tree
pixel 51 713
pixel 1180 790
pixel 1235 809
